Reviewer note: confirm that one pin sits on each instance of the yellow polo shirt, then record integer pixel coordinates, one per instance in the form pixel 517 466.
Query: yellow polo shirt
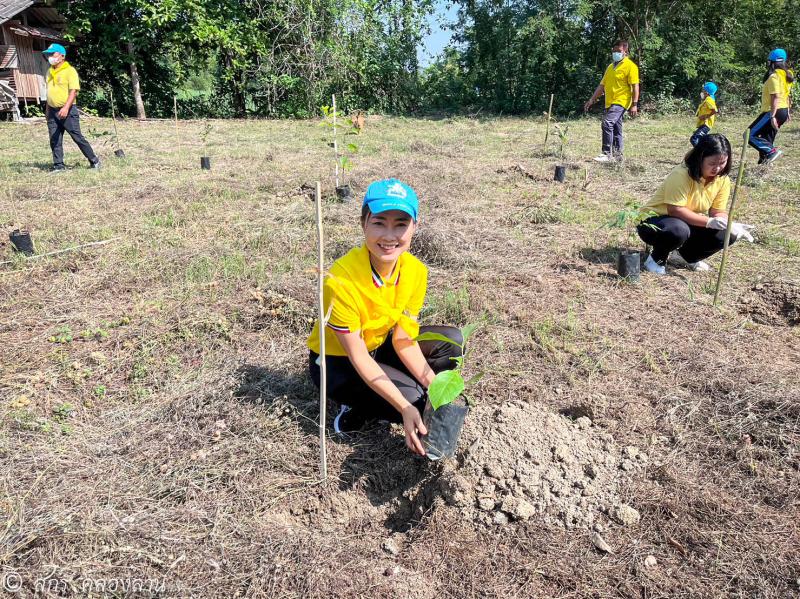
pixel 708 107
pixel 617 82
pixel 366 302
pixel 774 85
pixel 60 81
pixel 679 189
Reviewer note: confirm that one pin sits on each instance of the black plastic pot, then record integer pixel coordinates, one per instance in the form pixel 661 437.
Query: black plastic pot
pixel 22 242
pixel 629 265
pixel 444 429
pixel 119 153
pixel 344 193
pixel 205 163
pixel 561 174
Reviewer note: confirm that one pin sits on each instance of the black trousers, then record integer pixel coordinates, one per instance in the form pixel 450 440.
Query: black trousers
pixel 762 133
pixel 698 134
pixel 667 233
pixel 72 125
pixel 345 386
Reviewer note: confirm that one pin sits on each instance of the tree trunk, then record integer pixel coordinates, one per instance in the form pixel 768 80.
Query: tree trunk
pixel 137 90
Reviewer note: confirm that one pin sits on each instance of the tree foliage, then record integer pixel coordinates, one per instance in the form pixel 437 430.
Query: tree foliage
pixel 285 57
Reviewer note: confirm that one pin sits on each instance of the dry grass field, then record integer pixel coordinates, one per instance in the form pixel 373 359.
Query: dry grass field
pixel 158 430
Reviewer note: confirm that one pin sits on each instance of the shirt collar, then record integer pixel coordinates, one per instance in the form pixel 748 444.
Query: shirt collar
pixel 377 279
pixel 60 67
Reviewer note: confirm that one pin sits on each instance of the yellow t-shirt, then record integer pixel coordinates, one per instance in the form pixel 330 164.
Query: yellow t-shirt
pixel 364 301
pixel 679 189
pixel 782 74
pixel 708 107
pixel 617 82
pixel 774 85
pixel 60 81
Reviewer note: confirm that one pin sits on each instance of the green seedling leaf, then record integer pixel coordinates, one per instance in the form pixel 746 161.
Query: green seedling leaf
pixel 352 148
pixel 468 330
pixel 445 388
pixel 459 360
pixel 429 336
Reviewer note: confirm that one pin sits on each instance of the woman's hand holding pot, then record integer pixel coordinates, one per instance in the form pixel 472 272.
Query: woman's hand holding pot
pixel 413 425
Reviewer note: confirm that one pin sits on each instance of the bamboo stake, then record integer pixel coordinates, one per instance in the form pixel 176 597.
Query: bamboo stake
pixel 114 118
pixel 730 217
pixel 335 142
pixel 323 371
pixel 65 250
pixel 549 113
pixel 175 111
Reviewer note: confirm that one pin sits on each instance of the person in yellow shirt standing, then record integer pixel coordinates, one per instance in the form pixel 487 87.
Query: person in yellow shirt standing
pixel 774 107
pixel 690 209
pixel 374 293
pixel 706 112
pixel 620 84
pixel 62 114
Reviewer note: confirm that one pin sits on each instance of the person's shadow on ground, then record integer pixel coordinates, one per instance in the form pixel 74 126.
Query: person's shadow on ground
pixel 380 465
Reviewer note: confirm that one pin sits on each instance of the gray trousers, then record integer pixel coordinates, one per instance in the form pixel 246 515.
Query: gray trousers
pixel 612 130
pixel 72 125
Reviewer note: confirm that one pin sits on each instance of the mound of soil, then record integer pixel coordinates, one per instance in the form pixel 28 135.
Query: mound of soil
pixel 773 303
pixel 522 462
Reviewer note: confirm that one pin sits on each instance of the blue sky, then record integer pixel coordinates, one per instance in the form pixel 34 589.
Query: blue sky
pixel 439 36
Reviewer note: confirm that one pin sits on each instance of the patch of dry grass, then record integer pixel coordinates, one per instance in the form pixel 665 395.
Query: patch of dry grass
pixel 157 422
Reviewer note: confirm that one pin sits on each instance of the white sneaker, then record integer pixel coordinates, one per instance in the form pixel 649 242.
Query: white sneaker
pixel 603 158
pixel 773 156
pixel 651 265
pixel 698 266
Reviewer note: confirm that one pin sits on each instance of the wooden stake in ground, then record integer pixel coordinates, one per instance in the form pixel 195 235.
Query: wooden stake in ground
pixel 730 217
pixel 175 111
pixel 335 142
pixel 549 114
pixel 323 371
pixel 114 118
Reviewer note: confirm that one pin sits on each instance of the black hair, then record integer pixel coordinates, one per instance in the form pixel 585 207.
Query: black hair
pixel 714 144
pixel 364 213
pixel 622 44
pixel 778 65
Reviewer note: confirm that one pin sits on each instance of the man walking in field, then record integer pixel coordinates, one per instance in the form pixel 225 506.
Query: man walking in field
pixel 620 84
pixel 62 114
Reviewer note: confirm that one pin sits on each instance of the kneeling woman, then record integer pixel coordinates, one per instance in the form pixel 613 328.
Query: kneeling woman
pixel 374 293
pixel 691 208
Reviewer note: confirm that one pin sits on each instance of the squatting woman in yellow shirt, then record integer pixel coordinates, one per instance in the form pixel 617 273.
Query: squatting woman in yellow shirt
pixel 691 209
pixel 375 369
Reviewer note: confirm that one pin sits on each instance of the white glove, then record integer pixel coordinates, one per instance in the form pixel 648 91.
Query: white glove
pixel 742 231
pixel 716 222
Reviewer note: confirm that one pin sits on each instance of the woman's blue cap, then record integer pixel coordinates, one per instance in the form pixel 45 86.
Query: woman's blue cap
pixel 710 88
pixel 55 48
pixel 777 55
pixel 391 194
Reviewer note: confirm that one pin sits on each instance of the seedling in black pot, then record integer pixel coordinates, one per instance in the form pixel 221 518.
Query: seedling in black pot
pixel 22 241
pixel 562 130
pixel 629 260
pixel 205 161
pixel 447 405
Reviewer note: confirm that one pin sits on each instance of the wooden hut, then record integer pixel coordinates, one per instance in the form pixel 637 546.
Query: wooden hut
pixel 26 28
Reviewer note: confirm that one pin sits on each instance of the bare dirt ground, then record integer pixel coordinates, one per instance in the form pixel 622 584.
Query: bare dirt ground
pixel 158 431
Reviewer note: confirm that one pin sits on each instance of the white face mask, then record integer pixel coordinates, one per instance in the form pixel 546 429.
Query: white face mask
pixel 52 60
pixel 617 56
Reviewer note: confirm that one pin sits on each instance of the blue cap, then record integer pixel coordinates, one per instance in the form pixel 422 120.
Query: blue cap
pixel 391 194
pixel 55 48
pixel 710 88
pixel 777 55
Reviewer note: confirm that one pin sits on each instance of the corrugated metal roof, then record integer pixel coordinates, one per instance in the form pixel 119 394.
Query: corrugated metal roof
pixel 10 8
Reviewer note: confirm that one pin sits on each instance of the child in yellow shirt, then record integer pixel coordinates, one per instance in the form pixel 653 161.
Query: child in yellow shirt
pixel 774 107
pixel 706 113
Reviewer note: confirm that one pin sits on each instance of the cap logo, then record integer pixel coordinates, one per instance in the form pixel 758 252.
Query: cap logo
pixel 396 190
